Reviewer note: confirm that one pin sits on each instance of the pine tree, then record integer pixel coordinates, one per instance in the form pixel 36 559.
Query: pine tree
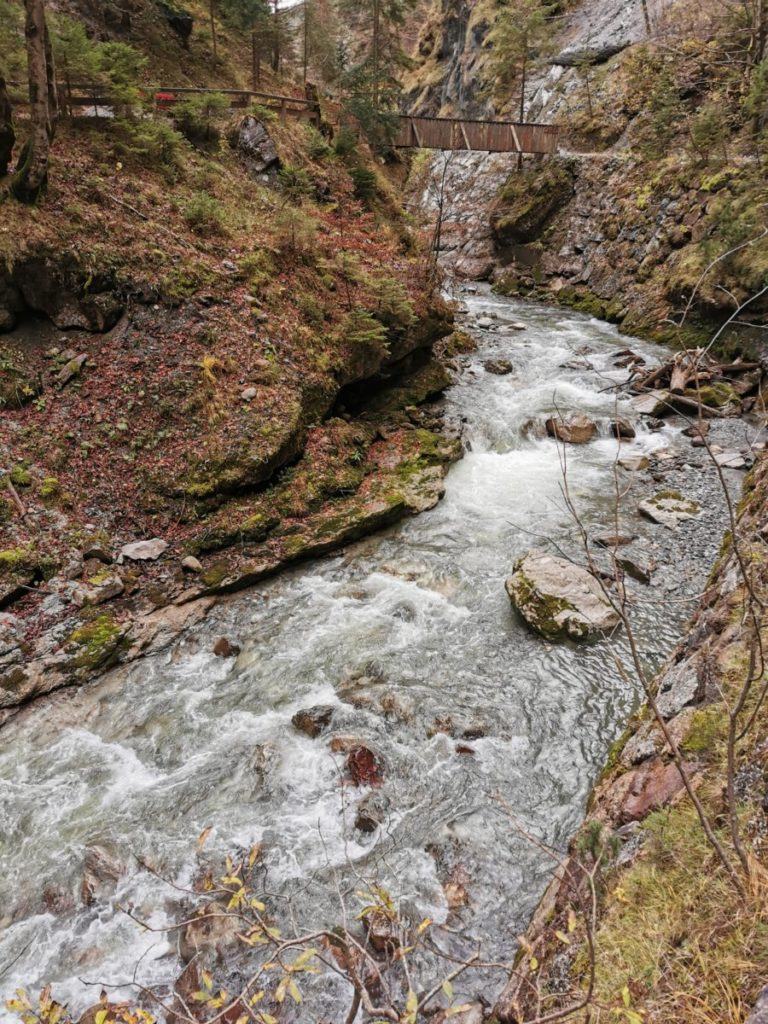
pixel 518 37
pixel 371 84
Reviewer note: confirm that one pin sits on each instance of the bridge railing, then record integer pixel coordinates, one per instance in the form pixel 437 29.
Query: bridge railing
pixel 484 136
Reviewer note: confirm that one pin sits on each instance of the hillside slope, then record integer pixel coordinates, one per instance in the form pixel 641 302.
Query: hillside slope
pixel 194 333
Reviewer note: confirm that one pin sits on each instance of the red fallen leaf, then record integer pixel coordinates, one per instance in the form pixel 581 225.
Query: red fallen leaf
pixel 462 748
pixel 364 767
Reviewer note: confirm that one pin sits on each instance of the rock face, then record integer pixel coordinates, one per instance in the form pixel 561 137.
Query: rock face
pixel 576 429
pixel 559 599
pixel 255 146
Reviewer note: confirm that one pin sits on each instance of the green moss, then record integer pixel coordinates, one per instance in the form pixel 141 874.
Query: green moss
pixel 547 606
pixel 14 560
pixel 715 396
pixel 708 727
pixel 458 344
pixel 96 643
pixel 50 489
pixel 215 575
pixel 20 475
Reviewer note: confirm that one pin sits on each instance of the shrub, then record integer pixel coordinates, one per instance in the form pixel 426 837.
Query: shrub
pixel 204 214
pixel 364 181
pixel 257 267
pixel 294 182
pixel 152 142
pixel 317 144
pixel 296 233
pixel 198 116
pixel 345 143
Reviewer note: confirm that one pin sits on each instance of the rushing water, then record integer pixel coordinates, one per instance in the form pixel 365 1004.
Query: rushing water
pixel 408 627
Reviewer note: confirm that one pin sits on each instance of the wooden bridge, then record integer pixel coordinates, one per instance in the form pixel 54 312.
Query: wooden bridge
pixel 443 133
pixel 449 133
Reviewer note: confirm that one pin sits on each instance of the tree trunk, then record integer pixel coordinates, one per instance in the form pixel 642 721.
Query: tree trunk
pixel 212 15
pixel 305 47
pixel 276 39
pixel 375 55
pixel 31 175
pixel 523 84
pixel 255 62
pixel 7 134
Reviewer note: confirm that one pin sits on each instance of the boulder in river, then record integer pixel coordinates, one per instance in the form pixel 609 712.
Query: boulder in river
pixel 364 767
pixel 622 427
pixel 652 403
pixel 313 721
pixel 576 429
pixel 101 872
pixel 559 599
pixel 224 648
pixel 501 367
pixel 634 463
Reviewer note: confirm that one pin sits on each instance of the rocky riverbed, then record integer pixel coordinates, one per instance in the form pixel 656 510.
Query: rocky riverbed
pixel 404 645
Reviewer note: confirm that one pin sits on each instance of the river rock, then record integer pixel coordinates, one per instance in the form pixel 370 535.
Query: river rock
pixel 622 427
pixel 313 721
pixel 654 404
pixel 224 648
pixel 501 367
pixel 668 508
pixel 534 428
pixel 613 540
pixel 364 767
pixel 731 460
pixel 102 870
pixel 485 323
pixel 577 429
pixel 559 599
pixel 371 813
pixel 634 463
pixel 638 572
pixel 143 550
pixel 212 929
pixel 700 429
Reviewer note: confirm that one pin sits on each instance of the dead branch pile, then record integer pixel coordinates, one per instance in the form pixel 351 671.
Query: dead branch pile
pixel 695 382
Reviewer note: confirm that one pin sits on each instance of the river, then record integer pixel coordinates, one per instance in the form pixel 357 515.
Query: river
pixel 410 636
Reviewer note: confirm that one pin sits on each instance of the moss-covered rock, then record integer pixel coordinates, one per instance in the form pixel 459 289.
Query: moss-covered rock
pixel 559 599
pixel 94 645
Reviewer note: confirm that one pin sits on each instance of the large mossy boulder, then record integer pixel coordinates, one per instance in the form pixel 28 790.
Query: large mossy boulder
pixel 528 201
pixel 558 599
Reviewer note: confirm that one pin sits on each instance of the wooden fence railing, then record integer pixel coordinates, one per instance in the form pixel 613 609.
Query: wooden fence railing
pixel 413 133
